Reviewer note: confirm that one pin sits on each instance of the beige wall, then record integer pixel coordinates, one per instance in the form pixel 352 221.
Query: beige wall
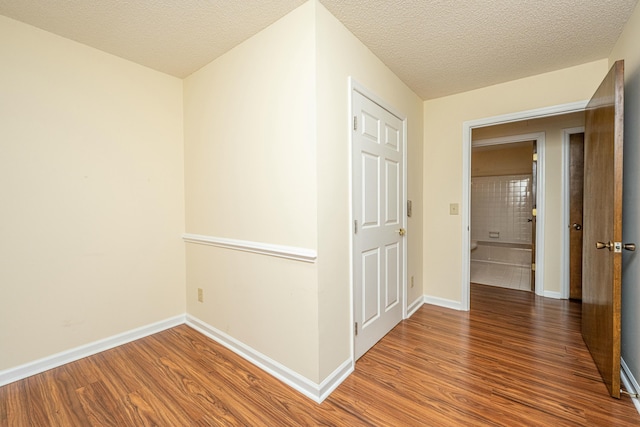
pixel 554 229
pixel 340 55
pixel 627 48
pixel 250 165
pixel 267 159
pixel 509 159
pixel 91 178
pixel 443 121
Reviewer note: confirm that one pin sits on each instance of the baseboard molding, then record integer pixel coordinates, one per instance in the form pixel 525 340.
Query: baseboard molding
pixel 316 392
pixel 552 294
pixel 415 306
pixel 32 368
pixel 442 302
pixel 630 383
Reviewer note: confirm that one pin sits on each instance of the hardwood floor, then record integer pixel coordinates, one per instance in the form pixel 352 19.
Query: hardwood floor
pixel 514 359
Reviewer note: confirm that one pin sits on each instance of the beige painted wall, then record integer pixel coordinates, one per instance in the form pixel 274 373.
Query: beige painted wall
pixel 443 121
pixel 627 48
pixel 268 159
pixel 251 175
pixel 340 55
pixel 91 178
pixel 553 203
pixel 500 160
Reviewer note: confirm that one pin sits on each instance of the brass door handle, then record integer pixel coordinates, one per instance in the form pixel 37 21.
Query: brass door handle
pixel 402 232
pixel 576 226
pixel 602 245
pixel 629 246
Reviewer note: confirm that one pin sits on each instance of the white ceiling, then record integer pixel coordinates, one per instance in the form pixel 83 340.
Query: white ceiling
pixel 437 47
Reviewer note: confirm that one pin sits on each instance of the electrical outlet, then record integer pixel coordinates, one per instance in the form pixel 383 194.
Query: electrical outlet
pixel 200 295
pixel 412 281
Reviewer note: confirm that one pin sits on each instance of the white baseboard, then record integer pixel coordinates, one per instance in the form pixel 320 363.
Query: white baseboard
pixel 442 302
pixel 37 366
pixel 414 306
pixel 630 383
pixel 316 392
pixel 552 294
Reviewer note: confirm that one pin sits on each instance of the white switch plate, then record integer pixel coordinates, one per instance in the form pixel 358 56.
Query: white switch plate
pixel 454 209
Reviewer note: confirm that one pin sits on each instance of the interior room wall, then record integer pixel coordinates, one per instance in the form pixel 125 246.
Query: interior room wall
pixel 285 180
pixel 341 55
pixel 443 121
pixel 250 159
pixel 506 159
pixel 627 48
pixel 91 178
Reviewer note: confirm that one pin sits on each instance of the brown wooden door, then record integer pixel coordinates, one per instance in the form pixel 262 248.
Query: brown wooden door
pixel 602 231
pixel 576 185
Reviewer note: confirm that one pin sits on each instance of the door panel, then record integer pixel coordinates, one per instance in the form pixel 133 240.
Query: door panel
pixel 602 268
pixel 393 275
pixel 370 190
pixel 576 186
pixel 378 210
pixel 392 205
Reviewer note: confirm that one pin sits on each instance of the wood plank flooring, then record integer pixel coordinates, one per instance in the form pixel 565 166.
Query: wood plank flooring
pixel 514 359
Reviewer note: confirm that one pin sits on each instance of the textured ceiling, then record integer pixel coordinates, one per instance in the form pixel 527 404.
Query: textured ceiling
pixel 437 47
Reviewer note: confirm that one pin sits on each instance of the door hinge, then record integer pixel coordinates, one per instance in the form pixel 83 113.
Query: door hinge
pixel 355 122
pixel 355 226
pixel 534 212
pixel 356 328
pixel 535 157
pixel 533 266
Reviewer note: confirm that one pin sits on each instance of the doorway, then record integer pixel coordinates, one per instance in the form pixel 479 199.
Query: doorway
pixel 572 190
pixel 503 202
pixel 561 117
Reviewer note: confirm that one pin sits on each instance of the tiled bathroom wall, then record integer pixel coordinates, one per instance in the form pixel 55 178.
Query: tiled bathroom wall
pixel 500 208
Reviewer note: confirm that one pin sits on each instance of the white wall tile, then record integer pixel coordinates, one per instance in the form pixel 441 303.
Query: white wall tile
pixel 501 204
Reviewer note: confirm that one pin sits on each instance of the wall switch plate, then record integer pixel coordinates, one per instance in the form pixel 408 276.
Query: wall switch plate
pixel 454 209
pixel 200 295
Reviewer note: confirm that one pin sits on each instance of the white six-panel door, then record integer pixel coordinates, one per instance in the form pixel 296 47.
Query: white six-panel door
pixel 378 211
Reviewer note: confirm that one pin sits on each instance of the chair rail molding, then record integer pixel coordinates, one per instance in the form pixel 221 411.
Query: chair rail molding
pixel 280 251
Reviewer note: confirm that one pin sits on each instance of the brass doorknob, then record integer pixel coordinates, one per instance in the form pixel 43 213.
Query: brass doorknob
pixel 402 232
pixel 629 246
pixel 576 226
pixel 602 245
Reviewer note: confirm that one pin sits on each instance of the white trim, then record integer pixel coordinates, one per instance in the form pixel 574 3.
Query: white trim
pixel 566 234
pixel 316 392
pixel 32 368
pixel 355 86
pixel 414 306
pixel 442 302
pixel 538 113
pixel 280 251
pixel 630 383
pixel 352 301
pixel 552 294
pixel 467 127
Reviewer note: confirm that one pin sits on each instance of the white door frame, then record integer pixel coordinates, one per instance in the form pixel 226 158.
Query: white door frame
pixel 539 138
pixel 467 127
pixel 355 86
pixel 566 197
